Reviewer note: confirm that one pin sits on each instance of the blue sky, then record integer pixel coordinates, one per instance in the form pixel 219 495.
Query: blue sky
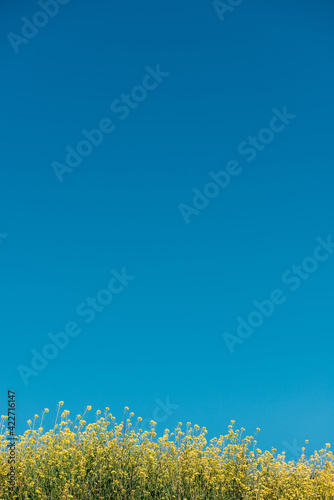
pixel 196 93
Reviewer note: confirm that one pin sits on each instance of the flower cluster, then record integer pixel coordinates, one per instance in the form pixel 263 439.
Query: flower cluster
pixel 106 460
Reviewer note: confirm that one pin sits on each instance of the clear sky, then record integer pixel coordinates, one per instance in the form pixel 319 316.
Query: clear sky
pixel 166 168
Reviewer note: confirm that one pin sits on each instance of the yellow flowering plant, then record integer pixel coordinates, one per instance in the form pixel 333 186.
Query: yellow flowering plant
pixel 107 460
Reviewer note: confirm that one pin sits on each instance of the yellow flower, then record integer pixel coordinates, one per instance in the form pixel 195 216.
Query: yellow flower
pixel 88 457
pixel 46 410
pixel 61 403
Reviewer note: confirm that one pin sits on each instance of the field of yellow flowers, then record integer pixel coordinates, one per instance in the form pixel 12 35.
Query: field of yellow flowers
pixel 106 460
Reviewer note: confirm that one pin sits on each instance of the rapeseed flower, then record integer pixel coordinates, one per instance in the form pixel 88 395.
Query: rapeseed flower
pixel 110 460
